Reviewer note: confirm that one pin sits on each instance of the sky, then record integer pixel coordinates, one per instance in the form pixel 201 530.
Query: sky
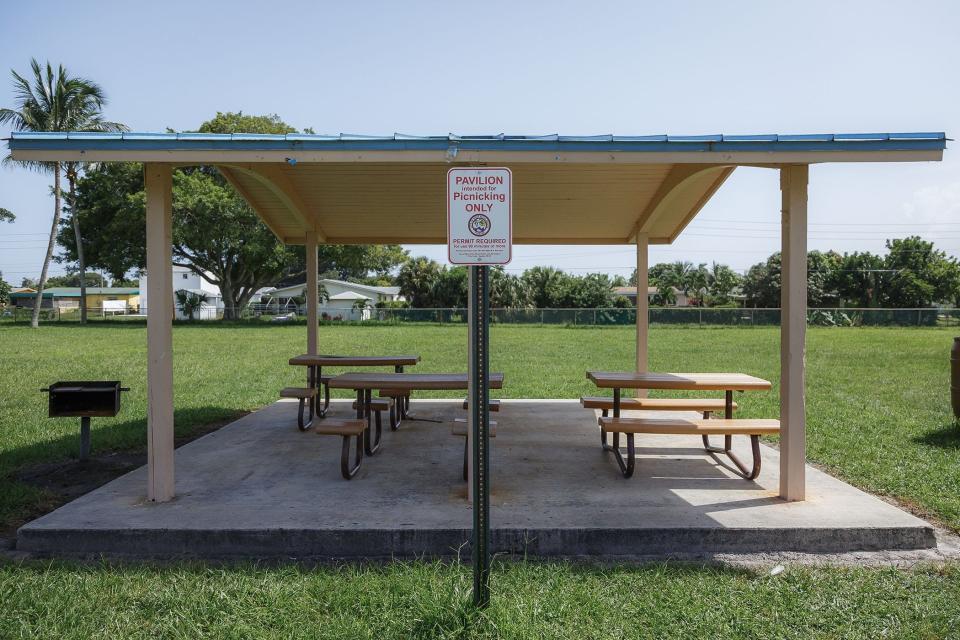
pixel 573 68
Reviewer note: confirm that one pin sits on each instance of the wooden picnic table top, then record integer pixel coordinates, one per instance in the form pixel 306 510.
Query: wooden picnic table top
pixel 326 360
pixel 408 381
pixel 680 381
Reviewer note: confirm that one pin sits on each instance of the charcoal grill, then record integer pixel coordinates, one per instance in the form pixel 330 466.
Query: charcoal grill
pixel 84 399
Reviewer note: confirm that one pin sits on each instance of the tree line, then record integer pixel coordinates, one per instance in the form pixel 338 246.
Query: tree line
pixel 913 274
pixel 426 283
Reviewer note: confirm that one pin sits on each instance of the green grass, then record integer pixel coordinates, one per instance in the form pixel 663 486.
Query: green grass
pixel 431 600
pixel 878 416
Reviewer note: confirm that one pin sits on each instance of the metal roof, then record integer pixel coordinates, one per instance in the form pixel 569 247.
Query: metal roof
pixel 367 189
pixel 74 292
pixel 551 142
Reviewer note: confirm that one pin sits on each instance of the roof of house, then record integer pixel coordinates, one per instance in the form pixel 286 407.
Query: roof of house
pixel 632 291
pixel 74 292
pixel 296 289
pixel 390 291
pixel 349 295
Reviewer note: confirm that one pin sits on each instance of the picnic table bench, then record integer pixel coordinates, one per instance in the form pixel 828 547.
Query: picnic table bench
pixel 727 427
pixel 316 379
pixel 363 385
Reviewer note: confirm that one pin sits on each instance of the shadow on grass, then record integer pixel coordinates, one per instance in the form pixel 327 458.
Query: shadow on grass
pixel 127 436
pixel 944 437
pixel 54 474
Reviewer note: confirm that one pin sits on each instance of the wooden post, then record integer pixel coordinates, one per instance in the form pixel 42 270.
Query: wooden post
pixel 160 462
pixel 643 306
pixel 793 329
pixel 312 295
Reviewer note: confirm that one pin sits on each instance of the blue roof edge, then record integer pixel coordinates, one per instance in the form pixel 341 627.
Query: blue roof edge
pixel 146 141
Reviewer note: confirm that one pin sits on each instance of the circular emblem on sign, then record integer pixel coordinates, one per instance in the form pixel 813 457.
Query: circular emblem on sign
pixel 479 225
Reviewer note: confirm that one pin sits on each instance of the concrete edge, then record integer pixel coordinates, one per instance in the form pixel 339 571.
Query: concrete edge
pixel 368 543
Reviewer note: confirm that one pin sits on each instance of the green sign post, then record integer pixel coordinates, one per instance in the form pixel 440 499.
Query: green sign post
pixel 479 402
pixel 480 233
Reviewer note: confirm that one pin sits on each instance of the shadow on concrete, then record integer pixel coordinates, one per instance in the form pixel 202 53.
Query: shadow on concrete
pixel 944 437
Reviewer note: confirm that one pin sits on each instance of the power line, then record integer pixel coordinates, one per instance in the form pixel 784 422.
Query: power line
pixel 834 224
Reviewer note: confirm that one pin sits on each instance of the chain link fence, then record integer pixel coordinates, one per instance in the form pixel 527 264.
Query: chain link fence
pixel 691 316
pixel 682 316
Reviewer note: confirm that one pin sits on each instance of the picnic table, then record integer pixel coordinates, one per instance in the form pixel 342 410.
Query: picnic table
pixel 726 382
pixel 315 378
pixel 363 385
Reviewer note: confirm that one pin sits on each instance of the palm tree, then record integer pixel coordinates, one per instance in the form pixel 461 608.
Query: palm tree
pixel 56 102
pixel 190 302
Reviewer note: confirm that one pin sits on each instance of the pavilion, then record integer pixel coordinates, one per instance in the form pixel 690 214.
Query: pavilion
pixel 352 189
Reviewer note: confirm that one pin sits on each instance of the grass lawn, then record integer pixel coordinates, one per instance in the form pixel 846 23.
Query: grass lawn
pixel 431 600
pixel 878 416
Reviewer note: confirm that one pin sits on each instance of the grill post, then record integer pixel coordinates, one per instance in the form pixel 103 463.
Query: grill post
pixel 84 438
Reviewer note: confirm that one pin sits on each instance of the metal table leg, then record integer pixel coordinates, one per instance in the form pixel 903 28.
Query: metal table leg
pixel 312 380
pixel 322 413
pixel 371 444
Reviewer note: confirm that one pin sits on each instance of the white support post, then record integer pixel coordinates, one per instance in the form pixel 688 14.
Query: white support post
pixel 793 329
pixel 160 461
pixel 643 306
pixel 312 294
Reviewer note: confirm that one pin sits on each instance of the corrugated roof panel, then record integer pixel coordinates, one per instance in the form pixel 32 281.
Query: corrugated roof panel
pixel 143 135
pixel 805 137
pixel 601 138
pixel 767 137
pixel 861 136
pixel 657 138
pixel 96 135
pixel 708 138
pixel 916 136
pixel 201 136
pixel 258 136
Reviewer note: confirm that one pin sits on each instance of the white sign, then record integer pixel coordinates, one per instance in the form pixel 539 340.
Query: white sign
pixel 479 215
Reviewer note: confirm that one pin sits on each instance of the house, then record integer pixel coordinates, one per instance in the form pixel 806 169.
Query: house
pixel 100 299
pixel 185 279
pixel 631 292
pixel 343 300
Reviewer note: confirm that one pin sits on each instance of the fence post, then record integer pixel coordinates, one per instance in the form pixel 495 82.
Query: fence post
pixel 700 317
pixel 541 316
pixel 594 317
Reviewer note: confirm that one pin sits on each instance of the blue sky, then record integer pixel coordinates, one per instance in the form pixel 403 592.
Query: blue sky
pixel 567 67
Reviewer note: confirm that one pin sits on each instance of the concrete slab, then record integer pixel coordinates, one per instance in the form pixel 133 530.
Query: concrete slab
pixel 259 487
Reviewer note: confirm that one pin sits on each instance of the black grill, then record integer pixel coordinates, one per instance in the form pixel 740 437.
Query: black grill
pixel 84 399
pixel 73 399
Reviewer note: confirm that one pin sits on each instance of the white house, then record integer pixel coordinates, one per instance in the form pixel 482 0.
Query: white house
pixel 631 292
pixel 342 302
pixel 184 279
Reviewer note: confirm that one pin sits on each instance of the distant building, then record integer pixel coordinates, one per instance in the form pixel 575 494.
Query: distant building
pixel 342 299
pixel 631 292
pixel 107 300
pixel 185 279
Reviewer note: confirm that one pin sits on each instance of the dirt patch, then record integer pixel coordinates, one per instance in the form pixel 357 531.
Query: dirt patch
pixel 65 480
pixel 70 479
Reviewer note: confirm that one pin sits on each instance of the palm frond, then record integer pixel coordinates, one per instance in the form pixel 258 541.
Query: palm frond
pixel 54 101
